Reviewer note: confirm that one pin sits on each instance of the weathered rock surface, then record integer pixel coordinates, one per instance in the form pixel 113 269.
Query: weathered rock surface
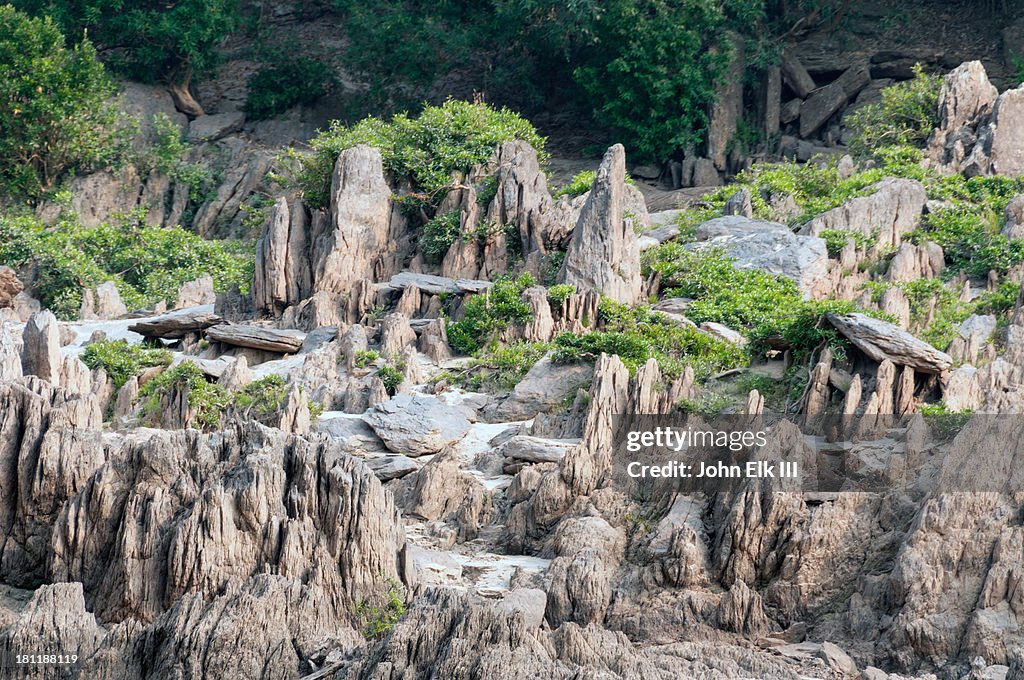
pixel 40 354
pixel 256 337
pixel 102 302
pixel 603 255
pixel 890 212
pixel 176 324
pixel 768 246
pixel 545 386
pixel 882 341
pixel 417 425
pixel 10 286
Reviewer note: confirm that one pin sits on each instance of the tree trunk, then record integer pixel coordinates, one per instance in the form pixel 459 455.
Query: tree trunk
pixel 183 99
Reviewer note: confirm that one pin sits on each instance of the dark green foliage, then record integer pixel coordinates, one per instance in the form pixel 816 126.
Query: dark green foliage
pixel 488 314
pixel 906 115
pixel 123 361
pixel 439 234
pixel 54 111
pixel 147 263
pixel 944 423
pixel 427 149
pixel 365 357
pixel 286 81
pixel 644 69
pixel 209 400
pixel 150 39
pixel 559 293
pixel 391 377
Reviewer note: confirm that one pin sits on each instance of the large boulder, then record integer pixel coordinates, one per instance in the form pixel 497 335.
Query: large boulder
pixel 102 302
pixel 882 340
pixel 768 246
pixel 40 354
pixel 545 386
pixel 603 254
pixel 417 425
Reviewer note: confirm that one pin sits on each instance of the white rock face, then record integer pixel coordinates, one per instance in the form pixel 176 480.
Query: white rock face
pixel 603 254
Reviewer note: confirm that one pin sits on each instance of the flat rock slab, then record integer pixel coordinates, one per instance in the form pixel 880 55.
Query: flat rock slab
pixel 257 337
pixel 417 425
pixel 882 340
pixel 215 126
pixel 536 449
pixel 176 324
pixel 387 468
pixel 435 285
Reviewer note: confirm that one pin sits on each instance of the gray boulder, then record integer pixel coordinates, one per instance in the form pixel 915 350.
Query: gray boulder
pixel 544 387
pixel 770 247
pixel 417 425
pixel 882 340
pixel 213 127
pixel 40 353
pixel 891 211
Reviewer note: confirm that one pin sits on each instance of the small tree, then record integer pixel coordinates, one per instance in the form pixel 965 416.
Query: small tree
pixel 55 109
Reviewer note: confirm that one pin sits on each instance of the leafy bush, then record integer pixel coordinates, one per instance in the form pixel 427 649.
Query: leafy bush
pixel 452 137
pixel 499 368
pixel 391 377
pixel 578 185
pixel 969 236
pixel 121 360
pixel 638 334
pixel 209 400
pixel 378 621
pixel 835 240
pixel 488 314
pixel 287 81
pixel 769 308
pixel 148 40
pixel 55 115
pixel 559 293
pixel 944 422
pixel 263 398
pixel 906 115
pixel 147 263
pixel 439 234
pixel 365 357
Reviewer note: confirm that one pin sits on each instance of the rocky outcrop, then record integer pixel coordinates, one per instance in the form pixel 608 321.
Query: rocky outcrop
pixel 40 354
pixel 882 340
pixel 10 286
pixel 603 255
pixel 891 211
pixel 256 337
pixel 912 262
pixel 102 302
pixel 175 325
pixel 196 293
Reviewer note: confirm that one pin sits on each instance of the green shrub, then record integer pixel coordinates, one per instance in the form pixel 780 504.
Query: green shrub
pixel 559 293
pixel 366 357
pixel 707 405
pixel 209 400
pixel 262 399
pixel 439 234
pixel 835 240
pixel 499 368
pixel 391 377
pixel 169 41
pixel 427 149
pixel 638 334
pixel 578 185
pixel 970 238
pixel 906 115
pixel 123 361
pixel 55 116
pixel 287 81
pixel 148 263
pixel 944 422
pixel 488 314
pixel 377 621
